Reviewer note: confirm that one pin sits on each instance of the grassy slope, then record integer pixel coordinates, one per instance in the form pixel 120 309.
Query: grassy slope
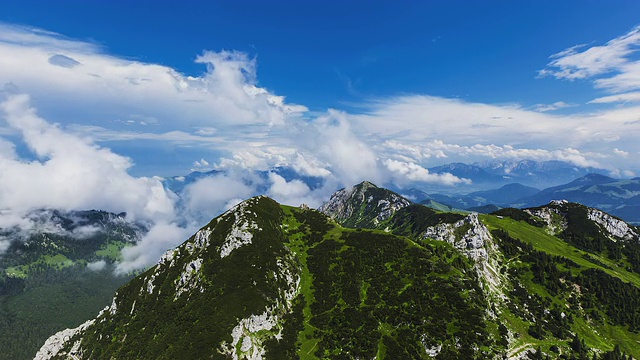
pixel 550 244
pixel 386 336
pixel 602 336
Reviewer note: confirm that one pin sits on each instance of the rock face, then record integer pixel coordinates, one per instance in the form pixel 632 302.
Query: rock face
pixel 615 227
pixel 468 235
pixel 563 216
pixel 364 205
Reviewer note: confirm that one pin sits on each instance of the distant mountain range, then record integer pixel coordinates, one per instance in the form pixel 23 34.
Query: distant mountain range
pixel 483 176
pixel 377 276
pixel 619 197
pixel 538 174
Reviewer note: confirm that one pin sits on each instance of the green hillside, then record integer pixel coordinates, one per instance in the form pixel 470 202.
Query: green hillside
pixel 270 281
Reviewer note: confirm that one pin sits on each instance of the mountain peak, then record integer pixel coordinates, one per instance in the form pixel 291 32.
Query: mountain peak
pixel 363 205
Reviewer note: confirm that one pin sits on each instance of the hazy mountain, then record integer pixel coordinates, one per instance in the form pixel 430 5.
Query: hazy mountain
pixel 473 172
pixel 620 197
pixel 504 195
pixel 270 281
pixel 57 272
pixel 540 174
pixel 494 174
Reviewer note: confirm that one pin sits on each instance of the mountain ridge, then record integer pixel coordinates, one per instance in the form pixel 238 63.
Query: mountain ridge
pixel 407 282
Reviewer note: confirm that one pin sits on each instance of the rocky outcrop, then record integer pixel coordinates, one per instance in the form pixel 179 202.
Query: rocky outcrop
pixel 551 216
pixel 363 205
pixel 468 235
pixel 472 237
pixel 614 226
pixel 55 345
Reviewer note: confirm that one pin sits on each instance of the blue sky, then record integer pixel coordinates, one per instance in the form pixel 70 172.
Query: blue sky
pixel 99 97
pixel 331 53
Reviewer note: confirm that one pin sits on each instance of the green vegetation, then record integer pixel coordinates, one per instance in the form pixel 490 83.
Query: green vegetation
pixel 45 285
pixel 560 294
pixel 111 250
pixel 361 293
pixel 297 285
pixel 35 307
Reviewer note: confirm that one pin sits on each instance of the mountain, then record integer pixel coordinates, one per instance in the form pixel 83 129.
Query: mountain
pixel 504 195
pixel 540 174
pixel 276 282
pixel 620 197
pixel 473 172
pixel 269 281
pixel 364 205
pixel 530 263
pixel 494 174
pixel 56 273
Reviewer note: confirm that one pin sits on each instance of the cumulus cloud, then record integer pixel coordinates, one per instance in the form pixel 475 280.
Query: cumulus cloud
pixel 210 196
pixel 403 171
pixel 111 88
pixel 352 159
pixel 147 251
pixel 69 172
pixel 426 128
pixel 295 192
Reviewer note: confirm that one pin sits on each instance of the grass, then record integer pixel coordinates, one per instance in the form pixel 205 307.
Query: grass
pixel 111 250
pixel 291 227
pixel 55 262
pixel 595 335
pixel 16 271
pixel 552 245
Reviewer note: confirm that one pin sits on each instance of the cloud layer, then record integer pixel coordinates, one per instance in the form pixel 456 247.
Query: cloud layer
pixel 89 102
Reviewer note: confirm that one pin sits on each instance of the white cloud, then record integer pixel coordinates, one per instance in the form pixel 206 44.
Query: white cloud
pixel 71 172
pixel 403 171
pixel 622 98
pixel 620 152
pixel 97 265
pixel 208 197
pixel 427 129
pixel 552 107
pixel 312 167
pixel 201 164
pixel 294 192
pixel 333 141
pixel 612 65
pixel 147 251
pixel 112 88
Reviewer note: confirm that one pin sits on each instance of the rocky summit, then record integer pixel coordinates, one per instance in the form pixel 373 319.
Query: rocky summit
pixel 395 281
